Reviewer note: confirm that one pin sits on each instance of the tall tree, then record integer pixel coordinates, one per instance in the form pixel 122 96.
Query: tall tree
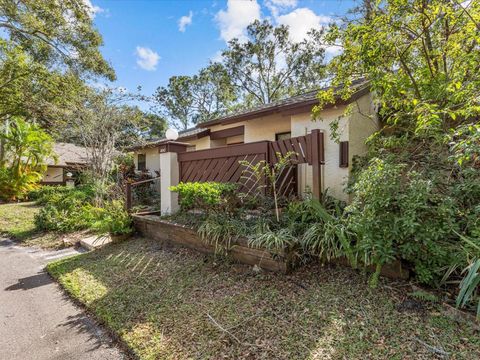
pixel 56 34
pixel 103 123
pixel 269 65
pixel 187 100
pixel 46 48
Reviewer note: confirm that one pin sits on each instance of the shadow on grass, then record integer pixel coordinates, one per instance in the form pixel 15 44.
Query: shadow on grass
pixel 178 304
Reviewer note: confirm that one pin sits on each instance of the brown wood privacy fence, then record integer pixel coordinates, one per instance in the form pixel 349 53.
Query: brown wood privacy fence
pixel 225 164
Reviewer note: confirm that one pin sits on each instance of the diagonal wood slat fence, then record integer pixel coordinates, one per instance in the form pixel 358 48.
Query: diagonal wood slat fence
pixel 225 164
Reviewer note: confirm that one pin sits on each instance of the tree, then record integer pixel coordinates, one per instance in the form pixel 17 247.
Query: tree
pixel 46 50
pixel 154 125
pixel 28 148
pixel 103 123
pixel 188 100
pixel 56 34
pixel 418 186
pixel 420 58
pixel 269 66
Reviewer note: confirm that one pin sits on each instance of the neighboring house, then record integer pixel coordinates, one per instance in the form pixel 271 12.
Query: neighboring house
pixel 70 159
pixel 282 120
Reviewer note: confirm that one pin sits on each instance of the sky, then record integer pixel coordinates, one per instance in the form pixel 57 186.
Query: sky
pixel 148 41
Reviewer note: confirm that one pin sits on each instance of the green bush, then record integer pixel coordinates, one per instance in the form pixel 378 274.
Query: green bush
pixel 113 219
pixel 404 214
pixel 65 210
pixel 206 196
pixel 71 209
pixel 220 229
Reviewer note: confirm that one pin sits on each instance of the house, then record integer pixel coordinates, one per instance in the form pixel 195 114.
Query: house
pixel 285 119
pixel 70 158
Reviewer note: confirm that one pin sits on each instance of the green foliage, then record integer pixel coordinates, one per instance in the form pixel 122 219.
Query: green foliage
pixel 276 241
pixel 253 63
pixel 26 148
pixel 65 210
pixel 70 209
pixel 196 98
pixel 56 34
pixel 113 219
pixel 220 230
pixel 418 186
pixel 424 296
pixel 208 196
pixel 398 213
pixel 469 285
pixel 266 178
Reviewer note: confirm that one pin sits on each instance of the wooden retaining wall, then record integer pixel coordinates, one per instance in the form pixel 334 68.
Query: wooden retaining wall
pixel 179 235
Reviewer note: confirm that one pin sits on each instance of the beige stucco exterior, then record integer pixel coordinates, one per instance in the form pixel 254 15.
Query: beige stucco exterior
pixel 53 175
pixel 355 128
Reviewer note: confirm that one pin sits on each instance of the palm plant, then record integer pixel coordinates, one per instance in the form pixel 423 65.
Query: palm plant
pixel 28 148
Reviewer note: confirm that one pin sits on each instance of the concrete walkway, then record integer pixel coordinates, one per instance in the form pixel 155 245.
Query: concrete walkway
pixel 37 321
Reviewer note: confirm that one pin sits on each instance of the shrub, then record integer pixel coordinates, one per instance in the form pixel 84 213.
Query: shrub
pixel 206 196
pixel 65 210
pixel 113 219
pixel 398 213
pixel 220 229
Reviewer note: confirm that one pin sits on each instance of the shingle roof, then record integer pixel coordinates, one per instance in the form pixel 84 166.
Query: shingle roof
pixel 183 134
pixel 307 98
pixel 69 154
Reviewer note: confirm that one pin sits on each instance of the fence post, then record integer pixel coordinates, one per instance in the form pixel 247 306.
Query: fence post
pixel 169 175
pixel 128 196
pixel 317 157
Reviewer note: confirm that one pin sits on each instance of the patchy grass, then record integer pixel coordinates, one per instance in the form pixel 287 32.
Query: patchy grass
pixel 17 222
pixel 177 304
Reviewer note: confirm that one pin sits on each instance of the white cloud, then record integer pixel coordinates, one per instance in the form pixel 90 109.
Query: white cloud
pixel 93 9
pixel 184 21
pixel 300 21
pixel 236 18
pixel 284 3
pixel 278 6
pixel 147 59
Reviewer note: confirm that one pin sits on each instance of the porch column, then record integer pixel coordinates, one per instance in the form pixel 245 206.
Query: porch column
pixel 169 175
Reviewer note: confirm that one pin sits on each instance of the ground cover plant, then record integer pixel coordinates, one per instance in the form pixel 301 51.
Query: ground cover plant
pixel 170 304
pixel 72 209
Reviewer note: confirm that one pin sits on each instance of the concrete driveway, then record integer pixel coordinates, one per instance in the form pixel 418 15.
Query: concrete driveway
pixel 37 321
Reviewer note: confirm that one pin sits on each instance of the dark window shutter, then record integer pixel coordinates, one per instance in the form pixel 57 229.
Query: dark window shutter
pixel 343 154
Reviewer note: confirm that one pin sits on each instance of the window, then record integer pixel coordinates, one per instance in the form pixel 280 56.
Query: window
pixel 283 136
pixel 142 162
pixel 343 154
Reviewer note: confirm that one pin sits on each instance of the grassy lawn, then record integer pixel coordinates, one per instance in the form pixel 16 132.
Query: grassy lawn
pixel 178 304
pixel 17 222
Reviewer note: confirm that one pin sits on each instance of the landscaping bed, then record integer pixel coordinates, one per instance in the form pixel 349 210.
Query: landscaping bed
pixel 177 303
pixel 180 235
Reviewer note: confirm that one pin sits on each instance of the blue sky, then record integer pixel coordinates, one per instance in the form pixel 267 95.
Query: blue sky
pixel 148 41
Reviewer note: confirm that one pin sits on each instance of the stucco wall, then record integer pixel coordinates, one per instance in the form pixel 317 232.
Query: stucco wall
pixel 261 128
pixel 363 123
pixel 200 144
pixel 53 174
pixel 152 160
pixel 355 129
pixel 333 176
